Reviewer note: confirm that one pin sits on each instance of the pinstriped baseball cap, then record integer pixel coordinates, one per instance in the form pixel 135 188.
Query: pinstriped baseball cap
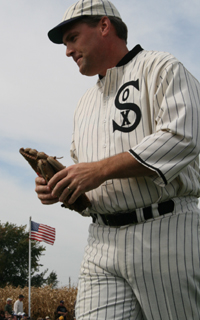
pixel 79 9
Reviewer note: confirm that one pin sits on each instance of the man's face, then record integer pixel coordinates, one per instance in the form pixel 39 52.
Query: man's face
pixel 9 302
pixel 83 44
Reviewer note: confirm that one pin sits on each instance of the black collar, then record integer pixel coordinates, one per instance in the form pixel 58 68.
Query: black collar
pixel 128 57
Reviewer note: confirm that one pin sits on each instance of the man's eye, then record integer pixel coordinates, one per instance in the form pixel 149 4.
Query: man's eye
pixel 73 38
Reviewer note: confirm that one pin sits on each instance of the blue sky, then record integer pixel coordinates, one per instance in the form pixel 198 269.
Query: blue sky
pixel 40 88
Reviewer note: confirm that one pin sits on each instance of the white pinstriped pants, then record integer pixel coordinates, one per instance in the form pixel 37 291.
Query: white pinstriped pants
pixel 150 270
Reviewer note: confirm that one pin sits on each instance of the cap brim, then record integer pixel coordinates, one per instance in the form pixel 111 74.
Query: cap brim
pixel 56 34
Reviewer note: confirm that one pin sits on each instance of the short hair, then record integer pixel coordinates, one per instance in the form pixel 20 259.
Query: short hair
pixel 120 27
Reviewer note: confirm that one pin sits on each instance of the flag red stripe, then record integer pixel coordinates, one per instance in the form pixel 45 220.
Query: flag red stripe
pixel 44 233
pixel 38 234
pixel 40 239
pixel 46 228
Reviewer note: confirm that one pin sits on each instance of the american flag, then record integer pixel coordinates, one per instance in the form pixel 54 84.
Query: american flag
pixel 42 232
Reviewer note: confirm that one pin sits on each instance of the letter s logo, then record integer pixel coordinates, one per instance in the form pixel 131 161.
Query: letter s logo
pixel 127 106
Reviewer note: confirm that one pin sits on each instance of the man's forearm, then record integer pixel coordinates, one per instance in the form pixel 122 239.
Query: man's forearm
pixel 123 165
pixel 83 177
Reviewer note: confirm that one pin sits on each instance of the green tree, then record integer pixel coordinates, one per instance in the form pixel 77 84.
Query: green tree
pixel 52 279
pixel 38 280
pixel 14 249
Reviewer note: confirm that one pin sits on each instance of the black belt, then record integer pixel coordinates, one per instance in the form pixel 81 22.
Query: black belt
pixel 122 219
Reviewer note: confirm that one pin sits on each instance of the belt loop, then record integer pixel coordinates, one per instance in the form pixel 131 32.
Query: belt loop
pixel 140 215
pixel 155 212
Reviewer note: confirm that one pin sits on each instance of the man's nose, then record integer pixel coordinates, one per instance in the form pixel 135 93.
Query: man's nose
pixel 69 51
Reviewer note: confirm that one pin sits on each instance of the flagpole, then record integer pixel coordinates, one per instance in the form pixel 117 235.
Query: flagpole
pixel 29 283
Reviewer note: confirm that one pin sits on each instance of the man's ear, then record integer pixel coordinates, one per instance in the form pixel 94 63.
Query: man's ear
pixel 105 25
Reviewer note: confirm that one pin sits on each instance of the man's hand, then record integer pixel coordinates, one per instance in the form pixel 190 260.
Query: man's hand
pixel 69 183
pixel 44 192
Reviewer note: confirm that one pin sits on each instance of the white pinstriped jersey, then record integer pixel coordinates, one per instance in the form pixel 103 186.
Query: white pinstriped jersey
pixel 147 105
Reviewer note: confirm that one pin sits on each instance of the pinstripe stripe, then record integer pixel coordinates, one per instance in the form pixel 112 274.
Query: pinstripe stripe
pixel 145 271
pixel 160 268
pixel 169 268
pixel 91 7
pixel 150 166
pixel 145 283
pixel 167 139
pixel 103 6
pixel 72 12
pixel 177 263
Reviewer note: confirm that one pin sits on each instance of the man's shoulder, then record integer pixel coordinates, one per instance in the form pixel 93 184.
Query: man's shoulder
pixel 154 56
pixel 8 307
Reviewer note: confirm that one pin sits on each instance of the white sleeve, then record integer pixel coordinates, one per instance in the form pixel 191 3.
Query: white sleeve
pixel 176 141
pixel 15 307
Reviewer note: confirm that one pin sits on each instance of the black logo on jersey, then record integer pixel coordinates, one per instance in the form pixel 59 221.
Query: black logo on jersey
pixel 128 106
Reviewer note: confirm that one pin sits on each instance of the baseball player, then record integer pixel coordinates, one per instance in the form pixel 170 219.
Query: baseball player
pixel 135 145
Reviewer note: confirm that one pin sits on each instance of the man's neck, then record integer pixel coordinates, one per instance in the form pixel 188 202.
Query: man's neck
pixel 113 57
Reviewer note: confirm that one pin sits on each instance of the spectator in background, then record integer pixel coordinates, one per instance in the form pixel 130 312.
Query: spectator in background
pixel 8 316
pixel 8 306
pixel 61 310
pixel 18 305
pixel 2 315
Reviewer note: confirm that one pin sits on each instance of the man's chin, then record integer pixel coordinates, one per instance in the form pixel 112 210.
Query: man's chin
pixel 87 73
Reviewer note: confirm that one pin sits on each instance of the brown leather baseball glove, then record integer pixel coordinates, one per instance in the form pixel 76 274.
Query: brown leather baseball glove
pixel 47 166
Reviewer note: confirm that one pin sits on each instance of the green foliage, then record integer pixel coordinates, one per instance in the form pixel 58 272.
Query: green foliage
pixel 14 253
pixel 52 280
pixel 38 279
